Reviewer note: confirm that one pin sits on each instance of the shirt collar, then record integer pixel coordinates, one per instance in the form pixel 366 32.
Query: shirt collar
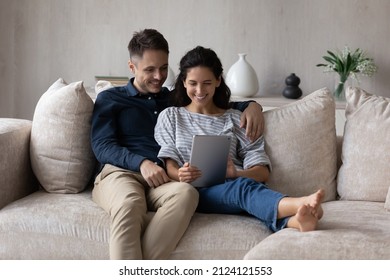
pixel 132 91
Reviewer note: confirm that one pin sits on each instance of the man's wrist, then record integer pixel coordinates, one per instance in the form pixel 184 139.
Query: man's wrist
pixel 261 107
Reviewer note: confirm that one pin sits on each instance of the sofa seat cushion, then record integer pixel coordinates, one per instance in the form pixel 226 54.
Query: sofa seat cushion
pixel 71 226
pixel 54 226
pixel 349 230
pixel 220 237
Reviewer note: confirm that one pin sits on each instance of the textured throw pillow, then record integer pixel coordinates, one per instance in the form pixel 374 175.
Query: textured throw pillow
pixel 102 85
pixel 301 143
pixel 365 172
pixel 60 149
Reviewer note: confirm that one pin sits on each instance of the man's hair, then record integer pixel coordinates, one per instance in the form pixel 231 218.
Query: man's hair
pixel 147 39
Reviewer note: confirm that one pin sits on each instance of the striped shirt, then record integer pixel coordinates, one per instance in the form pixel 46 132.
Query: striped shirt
pixel 176 126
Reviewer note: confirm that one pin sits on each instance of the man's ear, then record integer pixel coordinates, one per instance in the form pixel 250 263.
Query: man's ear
pixel 131 66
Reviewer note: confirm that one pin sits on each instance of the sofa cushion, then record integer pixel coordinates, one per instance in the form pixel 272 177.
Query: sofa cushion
pixel 387 203
pixel 301 143
pixel 219 237
pixel 365 172
pixel 349 230
pixel 37 227
pixel 102 85
pixel 60 149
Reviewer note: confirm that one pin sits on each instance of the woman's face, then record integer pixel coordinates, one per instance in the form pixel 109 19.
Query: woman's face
pixel 200 85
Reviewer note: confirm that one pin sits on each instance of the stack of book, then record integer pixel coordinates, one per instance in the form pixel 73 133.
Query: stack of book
pixel 114 80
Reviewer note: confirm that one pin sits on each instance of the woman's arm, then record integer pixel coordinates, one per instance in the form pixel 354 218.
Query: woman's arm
pixel 172 169
pixel 186 173
pixel 259 173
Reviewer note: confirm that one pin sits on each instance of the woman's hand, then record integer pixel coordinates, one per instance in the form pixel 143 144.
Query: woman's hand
pixel 188 173
pixel 231 171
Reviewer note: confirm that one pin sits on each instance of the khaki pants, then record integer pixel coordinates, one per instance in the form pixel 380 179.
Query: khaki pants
pixel 126 197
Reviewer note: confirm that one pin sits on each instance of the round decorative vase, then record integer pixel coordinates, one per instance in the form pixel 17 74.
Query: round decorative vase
pixel 242 79
pixel 292 89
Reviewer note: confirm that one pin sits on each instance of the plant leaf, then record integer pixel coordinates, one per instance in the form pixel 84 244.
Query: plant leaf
pixel 348 64
pixel 329 59
pixel 332 54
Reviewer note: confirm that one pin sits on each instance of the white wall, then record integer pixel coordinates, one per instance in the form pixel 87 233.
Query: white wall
pixel 43 40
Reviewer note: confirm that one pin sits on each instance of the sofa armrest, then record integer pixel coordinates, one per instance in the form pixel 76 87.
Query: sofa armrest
pixel 16 177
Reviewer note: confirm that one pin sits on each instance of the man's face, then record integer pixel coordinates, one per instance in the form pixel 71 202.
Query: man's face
pixel 150 71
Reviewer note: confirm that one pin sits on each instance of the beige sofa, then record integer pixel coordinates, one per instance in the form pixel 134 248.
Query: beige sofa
pixel 46 211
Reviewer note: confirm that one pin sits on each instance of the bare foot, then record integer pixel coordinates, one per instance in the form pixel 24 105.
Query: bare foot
pixel 315 200
pixel 305 219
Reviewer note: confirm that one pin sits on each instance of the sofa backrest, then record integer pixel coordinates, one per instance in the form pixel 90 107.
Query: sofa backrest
pixel 301 143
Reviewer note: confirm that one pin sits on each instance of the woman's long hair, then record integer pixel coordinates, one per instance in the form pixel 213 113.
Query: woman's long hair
pixel 205 57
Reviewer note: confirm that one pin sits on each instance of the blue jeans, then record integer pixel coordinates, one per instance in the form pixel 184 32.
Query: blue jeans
pixel 243 195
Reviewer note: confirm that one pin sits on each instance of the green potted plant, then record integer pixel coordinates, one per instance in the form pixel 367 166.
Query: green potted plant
pixel 346 64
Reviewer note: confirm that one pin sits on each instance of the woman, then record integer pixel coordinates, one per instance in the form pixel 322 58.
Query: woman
pixel 202 100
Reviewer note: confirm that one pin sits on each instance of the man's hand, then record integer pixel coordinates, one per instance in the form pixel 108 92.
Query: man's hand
pixel 252 120
pixel 153 174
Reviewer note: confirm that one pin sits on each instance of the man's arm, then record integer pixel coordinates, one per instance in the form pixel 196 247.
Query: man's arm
pixel 153 174
pixel 104 140
pixel 252 118
pixel 107 148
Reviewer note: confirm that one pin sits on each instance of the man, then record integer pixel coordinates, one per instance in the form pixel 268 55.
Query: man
pixel 133 180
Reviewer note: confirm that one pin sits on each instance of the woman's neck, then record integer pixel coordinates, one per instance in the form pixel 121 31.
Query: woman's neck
pixel 210 110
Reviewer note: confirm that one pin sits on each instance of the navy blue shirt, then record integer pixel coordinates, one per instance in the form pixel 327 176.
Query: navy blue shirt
pixel 123 124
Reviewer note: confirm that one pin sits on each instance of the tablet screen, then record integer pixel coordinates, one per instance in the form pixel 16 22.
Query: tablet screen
pixel 210 154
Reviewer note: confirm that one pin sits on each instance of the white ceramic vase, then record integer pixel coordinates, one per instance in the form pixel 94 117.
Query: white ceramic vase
pixel 242 79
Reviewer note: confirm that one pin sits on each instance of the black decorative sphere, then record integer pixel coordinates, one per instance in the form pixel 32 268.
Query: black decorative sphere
pixel 292 89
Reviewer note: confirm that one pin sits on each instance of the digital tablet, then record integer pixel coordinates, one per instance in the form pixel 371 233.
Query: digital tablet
pixel 210 154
